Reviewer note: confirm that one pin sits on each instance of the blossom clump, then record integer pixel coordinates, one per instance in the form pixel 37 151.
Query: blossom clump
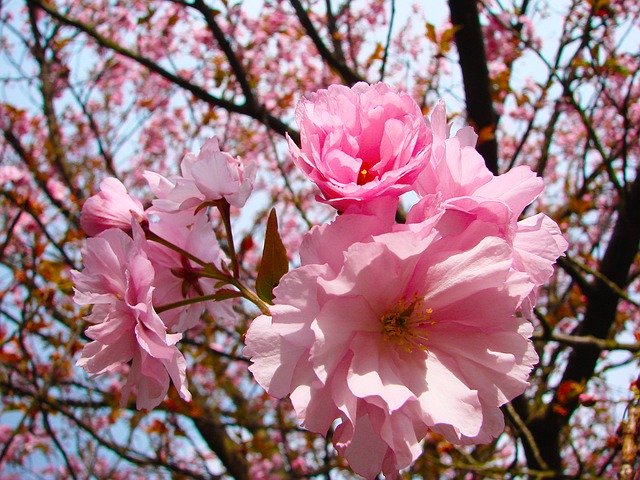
pixel 151 275
pixel 360 143
pixel 210 176
pixel 396 330
pixel 118 281
pixel 112 207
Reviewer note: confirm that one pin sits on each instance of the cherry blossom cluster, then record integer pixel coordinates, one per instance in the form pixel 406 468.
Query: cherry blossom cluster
pixel 392 329
pixel 151 274
pixel 393 325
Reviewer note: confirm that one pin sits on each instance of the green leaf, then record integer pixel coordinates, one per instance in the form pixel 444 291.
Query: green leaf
pixel 274 263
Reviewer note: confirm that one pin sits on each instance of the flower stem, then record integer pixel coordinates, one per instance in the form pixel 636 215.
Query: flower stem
pixel 185 302
pixel 252 297
pixel 210 270
pixel 158 239
pixel 225 212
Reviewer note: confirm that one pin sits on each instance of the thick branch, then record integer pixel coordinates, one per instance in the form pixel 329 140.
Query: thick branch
pixel 600 315
pixel 220 443
pixel 475 75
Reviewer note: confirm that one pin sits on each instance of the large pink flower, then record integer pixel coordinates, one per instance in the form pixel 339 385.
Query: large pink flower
pixel 112 207
pixel 211 175
pixel 407 332
pixel 118 281
pixel 360 143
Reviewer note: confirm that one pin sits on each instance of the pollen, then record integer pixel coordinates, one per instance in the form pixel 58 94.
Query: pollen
pixel 362 176
pixel 407 325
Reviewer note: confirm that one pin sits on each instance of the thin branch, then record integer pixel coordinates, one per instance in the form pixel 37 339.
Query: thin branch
pixel 40 179
pixel 47 427
pixel 234 62
pixel 388 42
pixel 590 340
pixel 45 76
pixel 609 283
pixel 570 268
pixel 526 434
pixel 333 31
pixel 348 75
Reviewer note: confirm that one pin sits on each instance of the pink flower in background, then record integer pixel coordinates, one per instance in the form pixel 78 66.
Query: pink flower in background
pixel 211 175
pixel 110 208
pixel 360 143
pixel 11 173
pixel 118 281
pixel 404 334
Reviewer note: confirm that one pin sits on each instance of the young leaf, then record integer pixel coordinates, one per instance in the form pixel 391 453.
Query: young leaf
pixel 274 263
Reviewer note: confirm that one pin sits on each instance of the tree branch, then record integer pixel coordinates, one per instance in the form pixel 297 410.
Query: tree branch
pixel 348 75
pixel 234 62
pixel 475 76
pixel 599 317
pixel 220 443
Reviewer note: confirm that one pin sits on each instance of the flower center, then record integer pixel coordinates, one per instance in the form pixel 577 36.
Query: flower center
pixel 362 176
pixel 407 325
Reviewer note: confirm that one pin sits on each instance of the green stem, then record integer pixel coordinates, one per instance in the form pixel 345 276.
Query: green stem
pixel 158 239
pixel 225 213
pixel 185 302
pixel 210 270
pixel 252 297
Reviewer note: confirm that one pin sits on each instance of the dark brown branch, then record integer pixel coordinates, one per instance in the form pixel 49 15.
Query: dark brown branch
pixel 599 317
pixel 333 31
pixel 575 275
pixel 38 177
pixel 26 207
pixel 475 76
pixel 602 344
pixel 347 75
pixel 220 443
pixel 385 55
pixel 45 75
pixel 54 438
pixel 237 68
pixel 93 126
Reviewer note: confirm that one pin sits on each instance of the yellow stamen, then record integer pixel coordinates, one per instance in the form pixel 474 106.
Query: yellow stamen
pixel 407 325
pixel 362 176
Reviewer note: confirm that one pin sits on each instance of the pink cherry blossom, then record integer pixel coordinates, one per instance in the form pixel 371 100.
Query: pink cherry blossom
pixel 408 332
pixel 176 277
pixel 477 204
pixel 209 176
pixel 112 207
pixel 360 143
pixel 118 281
